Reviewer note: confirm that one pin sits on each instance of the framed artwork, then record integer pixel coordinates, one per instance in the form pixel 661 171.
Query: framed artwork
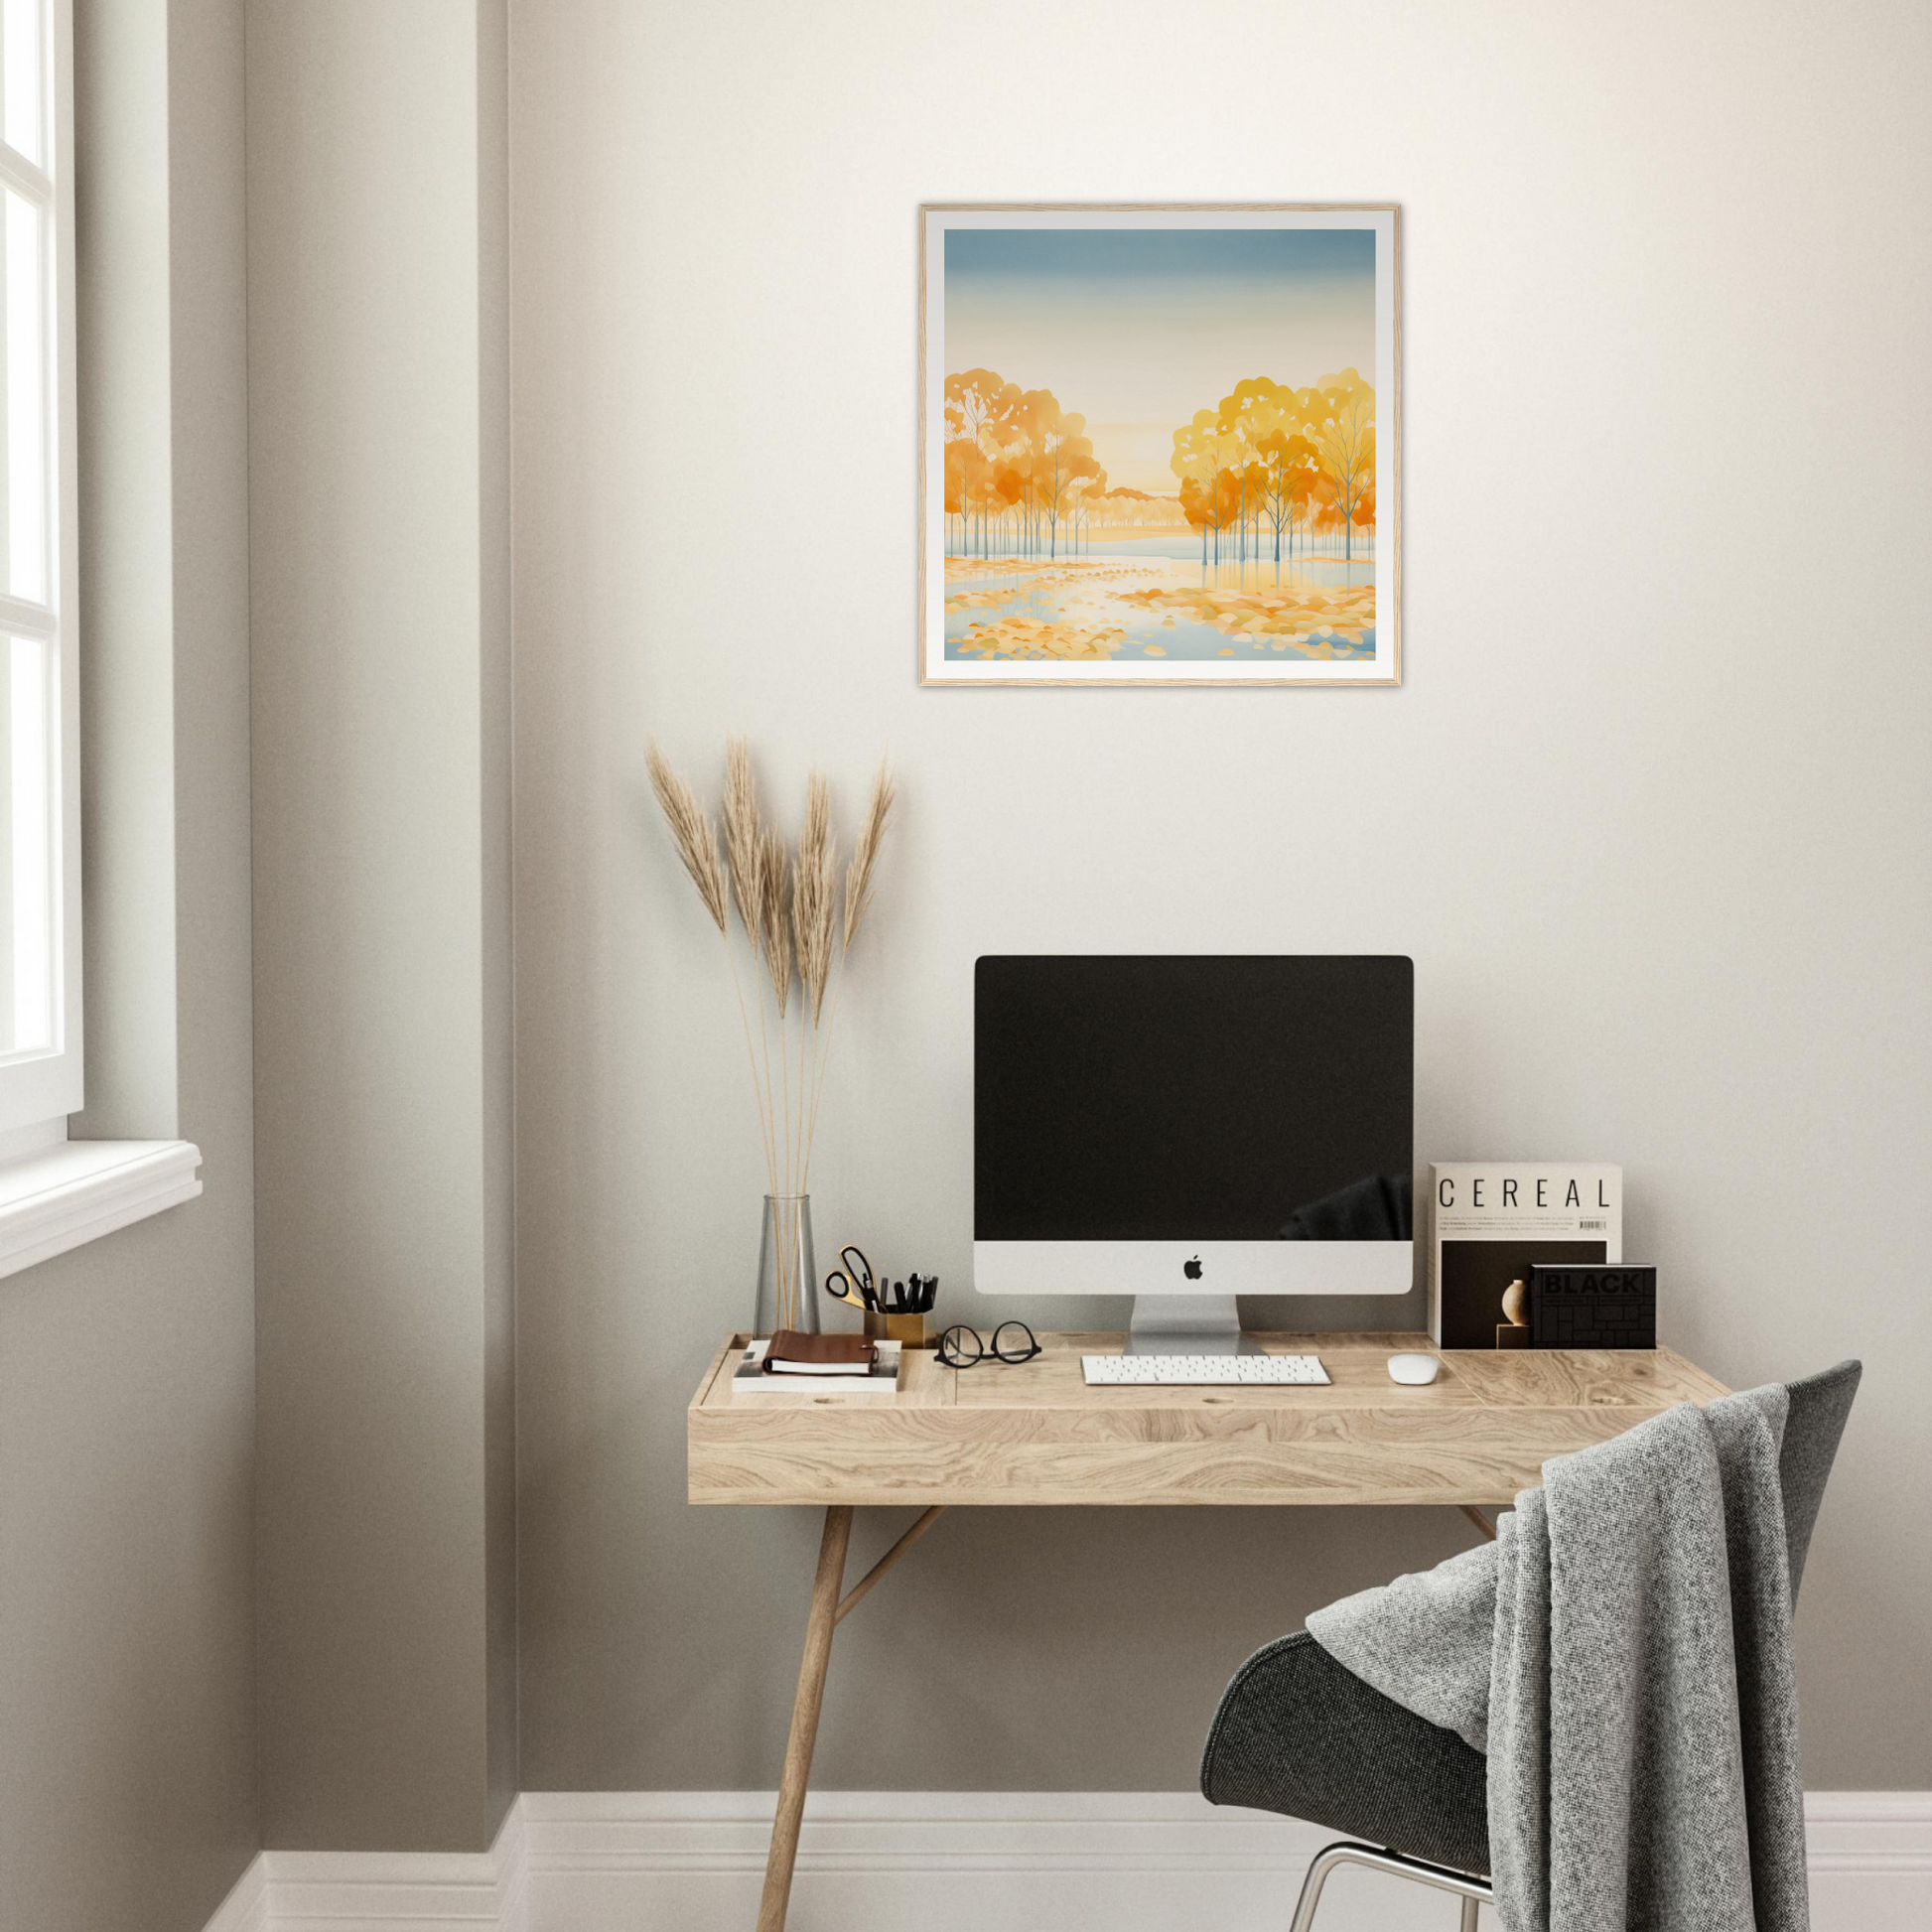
pixel 1160 445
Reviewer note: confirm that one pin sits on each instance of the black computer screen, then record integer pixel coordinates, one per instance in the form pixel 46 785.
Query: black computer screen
pixel 1203 1098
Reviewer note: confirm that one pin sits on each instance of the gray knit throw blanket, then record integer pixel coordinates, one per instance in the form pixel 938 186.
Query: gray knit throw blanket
pixel 1622 1652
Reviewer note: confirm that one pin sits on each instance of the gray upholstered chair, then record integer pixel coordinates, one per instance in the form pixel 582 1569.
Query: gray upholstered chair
pixel 1298 1734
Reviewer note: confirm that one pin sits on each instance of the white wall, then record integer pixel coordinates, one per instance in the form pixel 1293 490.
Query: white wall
pixel 1650 811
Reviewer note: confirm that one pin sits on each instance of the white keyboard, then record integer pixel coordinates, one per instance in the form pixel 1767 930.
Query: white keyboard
pixel 1201 1372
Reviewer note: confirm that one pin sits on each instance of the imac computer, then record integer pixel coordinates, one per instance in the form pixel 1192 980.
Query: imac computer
pixel 1186 1129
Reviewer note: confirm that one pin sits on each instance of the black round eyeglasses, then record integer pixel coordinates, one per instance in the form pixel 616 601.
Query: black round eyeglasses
pixel 962 1347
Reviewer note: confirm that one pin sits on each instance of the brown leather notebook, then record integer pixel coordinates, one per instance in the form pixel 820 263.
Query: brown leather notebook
pixel 793 1353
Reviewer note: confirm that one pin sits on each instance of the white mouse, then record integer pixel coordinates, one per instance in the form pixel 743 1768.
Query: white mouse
pixel 1415 1369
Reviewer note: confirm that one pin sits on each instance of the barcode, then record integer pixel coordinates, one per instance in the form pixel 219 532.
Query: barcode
pixel 1593 1224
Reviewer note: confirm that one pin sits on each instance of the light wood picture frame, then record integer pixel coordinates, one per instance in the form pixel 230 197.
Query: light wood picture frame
pixel 1160 444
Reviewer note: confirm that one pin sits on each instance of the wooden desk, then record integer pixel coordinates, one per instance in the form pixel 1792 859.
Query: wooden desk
pixel 1033 1434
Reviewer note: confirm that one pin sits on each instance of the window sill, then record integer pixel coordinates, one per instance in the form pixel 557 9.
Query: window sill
pixel 79 1191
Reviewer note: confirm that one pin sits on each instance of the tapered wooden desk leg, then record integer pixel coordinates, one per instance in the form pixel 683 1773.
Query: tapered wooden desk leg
pixel 1478 1519
pixel 804 1718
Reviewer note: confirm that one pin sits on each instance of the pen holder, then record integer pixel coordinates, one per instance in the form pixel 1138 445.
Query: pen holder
pixel 907 1328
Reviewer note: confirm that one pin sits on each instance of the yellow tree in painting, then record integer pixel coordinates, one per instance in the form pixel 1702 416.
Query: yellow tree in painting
pixel 1016 455
pixel 1066 464
pixel 1089 491
pixel 1344 418
pixel 1269 468
pixel 1133 508
pixel 1201 450
pixel 1295 456
pixel 980 408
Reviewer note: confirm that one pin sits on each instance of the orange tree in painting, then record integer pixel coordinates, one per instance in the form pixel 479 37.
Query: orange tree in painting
pixel 1269 471
pixel 1019 468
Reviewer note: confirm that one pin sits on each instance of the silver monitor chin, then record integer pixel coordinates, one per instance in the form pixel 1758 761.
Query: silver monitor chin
pixel 1183 1296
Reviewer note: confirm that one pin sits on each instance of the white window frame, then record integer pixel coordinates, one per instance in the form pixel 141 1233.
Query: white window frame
pixel 54 1193
pixel 38 1090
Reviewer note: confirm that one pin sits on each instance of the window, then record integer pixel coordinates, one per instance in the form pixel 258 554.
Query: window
pixel 40 846
pixel 54 1193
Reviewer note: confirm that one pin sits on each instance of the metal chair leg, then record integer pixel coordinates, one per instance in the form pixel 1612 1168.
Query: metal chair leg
pixel 1324 1862
pixel 1472 1892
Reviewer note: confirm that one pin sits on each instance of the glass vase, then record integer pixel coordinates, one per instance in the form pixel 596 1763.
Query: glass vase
pixel 788 1273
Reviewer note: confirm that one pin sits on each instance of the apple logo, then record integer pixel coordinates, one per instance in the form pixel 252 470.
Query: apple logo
pixel 1192 1269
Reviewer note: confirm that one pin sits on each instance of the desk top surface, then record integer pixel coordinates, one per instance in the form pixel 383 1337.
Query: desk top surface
pixel 1035 1434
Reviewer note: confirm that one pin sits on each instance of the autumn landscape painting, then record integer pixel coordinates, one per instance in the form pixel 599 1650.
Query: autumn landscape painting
pixel 1154 446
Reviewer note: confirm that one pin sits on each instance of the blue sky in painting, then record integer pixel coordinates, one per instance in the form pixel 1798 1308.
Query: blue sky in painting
pixel 1279 259
pixel 1138 327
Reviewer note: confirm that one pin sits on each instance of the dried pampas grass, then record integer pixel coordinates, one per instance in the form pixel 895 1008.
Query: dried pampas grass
pixel 744 849
pixel 865 851
pixel 814 895
pixel 787 910
pixel 774 917
pixel 691 833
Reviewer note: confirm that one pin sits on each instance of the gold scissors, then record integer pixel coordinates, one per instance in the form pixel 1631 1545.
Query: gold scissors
pixel 852 1281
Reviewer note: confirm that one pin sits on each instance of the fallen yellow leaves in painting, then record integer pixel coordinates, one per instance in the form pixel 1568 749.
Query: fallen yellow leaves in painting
pixel 1316 622
pixel 978 600
pixel 1019 635
pixel 1313 622
pixel 1033 638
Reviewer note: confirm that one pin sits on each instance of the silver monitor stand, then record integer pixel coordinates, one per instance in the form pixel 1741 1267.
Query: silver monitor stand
pixel 1186 1324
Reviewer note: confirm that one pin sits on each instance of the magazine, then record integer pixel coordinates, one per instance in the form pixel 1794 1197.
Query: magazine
pixel 1491 1220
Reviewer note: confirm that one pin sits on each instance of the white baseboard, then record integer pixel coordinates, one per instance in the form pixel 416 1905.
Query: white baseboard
pixel 385 1891
pixel 245 1909
pixel 954 1862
